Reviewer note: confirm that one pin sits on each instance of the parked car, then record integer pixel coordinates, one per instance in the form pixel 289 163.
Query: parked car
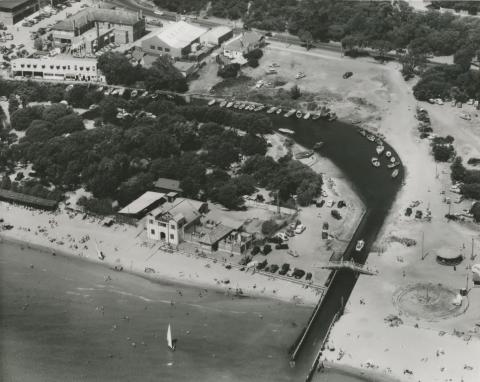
pixel 285 268
pixel 274 268
pixel 281 246
pixel 298 273
pixel 347 75
pixel 300 228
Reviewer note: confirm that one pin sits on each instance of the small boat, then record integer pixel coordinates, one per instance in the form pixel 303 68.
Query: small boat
pixel 286 131
pixel 393 165
pixel 362 132
pixel 259 108
pixel 306 116
pixel 304 154
pixel 380 149
pixel 236 105
pixel 360 245
pixel 223 103
pixel 317 146
pixel 271 110
pixel 289 113
pixel 242 106
pixel 392 160
pixel 100 89
pixel 170 342
pixel 388 154
pixel 211 102
pixel 293 254
pixel 395 173
pixel 278 111
pixel 299 114
pixel 324 111
pixel 315 116
pixel 332 116
pixel 371 137
pixel 229 105
pixel 375 162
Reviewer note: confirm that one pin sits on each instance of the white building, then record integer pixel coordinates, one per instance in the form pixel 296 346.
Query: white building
pixel 242 44
pixel 168 222
pixel 57 68
pixel 216 36
pixel 175 40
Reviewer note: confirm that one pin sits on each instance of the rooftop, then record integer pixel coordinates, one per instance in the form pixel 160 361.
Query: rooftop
pixel 168 184
pixel 102 15
pixel 244 40
pixel 12 4
pixel 143 202
pixel 215 33
pixel 180 208
pixel 181 34
pixel 18 197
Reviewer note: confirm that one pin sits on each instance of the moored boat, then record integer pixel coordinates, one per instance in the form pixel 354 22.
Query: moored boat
pixel 229 105
pixel 211 102
pixel 360 245
pixel 278 111
pixel 299 114
pixel 315 116
pixel 304 154
pixel 380 149
pixel 170 342
pixel 289 113
pixel 271 110
pixel 223 103
pixel 388 154
pixel 393 165
pixel 395 173
pixel 371 137
pixel 375 162
pixel 332 116
pixel 242 106
pixel 317 146
pixel 306 116
pixel 393 160
pixel 286 131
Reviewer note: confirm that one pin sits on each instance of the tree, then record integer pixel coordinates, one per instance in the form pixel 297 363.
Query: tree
pixel 228 71
pixel 162 75
pixel 306 37
pixel 117 69
pixel 21 119
pixel 38 43
pixel 6 183
pixel 13 104
pixel 464 57
pixel 295 92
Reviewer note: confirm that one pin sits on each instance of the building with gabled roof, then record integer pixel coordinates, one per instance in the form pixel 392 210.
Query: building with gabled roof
pixel 175 40
pixel 168 222
pixel 144 204
pixel 242 44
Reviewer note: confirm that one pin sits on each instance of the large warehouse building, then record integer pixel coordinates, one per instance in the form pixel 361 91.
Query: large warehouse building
pixel 13 11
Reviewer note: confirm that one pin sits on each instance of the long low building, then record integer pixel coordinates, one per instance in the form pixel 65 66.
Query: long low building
pixel 14 11
pixel 57 68
pixel 27 200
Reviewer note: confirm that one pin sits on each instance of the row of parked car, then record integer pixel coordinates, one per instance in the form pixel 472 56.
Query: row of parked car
pixel 285 270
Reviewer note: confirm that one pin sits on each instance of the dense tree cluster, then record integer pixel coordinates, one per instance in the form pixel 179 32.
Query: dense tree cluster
pixel 287 176
pixel 470 179
pixel 162 75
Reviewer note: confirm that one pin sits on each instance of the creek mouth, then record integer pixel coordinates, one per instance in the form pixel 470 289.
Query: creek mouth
pixel 351 152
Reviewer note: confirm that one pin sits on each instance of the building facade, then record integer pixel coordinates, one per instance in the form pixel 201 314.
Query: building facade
pixel 168 222
pixel 13 11
pixel 91 29
pixel 242 44
pixel 57 68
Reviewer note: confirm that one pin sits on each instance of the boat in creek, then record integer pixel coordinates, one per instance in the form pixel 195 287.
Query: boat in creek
pixel 289 113
pixel 380 149
pixel 304 154
pixel 171 343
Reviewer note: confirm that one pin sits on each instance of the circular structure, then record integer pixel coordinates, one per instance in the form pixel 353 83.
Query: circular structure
pixel 430 302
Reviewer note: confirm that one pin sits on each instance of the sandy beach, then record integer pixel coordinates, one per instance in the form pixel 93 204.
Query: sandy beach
pixel 442 347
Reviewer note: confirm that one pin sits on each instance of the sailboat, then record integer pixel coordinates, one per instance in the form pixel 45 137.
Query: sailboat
pixel 171 343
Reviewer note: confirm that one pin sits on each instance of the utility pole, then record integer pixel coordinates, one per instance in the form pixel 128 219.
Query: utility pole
pixel 278 202
pixel 472 257
pixel 423 239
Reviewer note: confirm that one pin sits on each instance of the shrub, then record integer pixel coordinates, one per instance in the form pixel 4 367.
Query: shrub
pixel 253 63
pixel 269 227
pixel 229 71
pixel 255 250
pixel 336 214
pixel 254 54
pixel 267 248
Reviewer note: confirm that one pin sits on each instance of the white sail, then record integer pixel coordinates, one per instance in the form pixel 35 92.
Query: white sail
pixel 169 337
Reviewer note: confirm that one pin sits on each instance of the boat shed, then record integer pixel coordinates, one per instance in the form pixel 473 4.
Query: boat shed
pixel 144 204
pixel 28 200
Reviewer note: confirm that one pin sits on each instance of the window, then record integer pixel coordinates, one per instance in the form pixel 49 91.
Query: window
pixel 58 67
pixel 159 48
pixel 152 47
pixel 152 231
pixel 22 65
pixel 64 67
pixel 150 221
pixel 34 66
pixel 51 66
pixel 172 226
pixel 167 49
pixel 81 67
pixel 43 66
pixel 162 224
pixel 172 236
pixel 28 65
pixel 68 67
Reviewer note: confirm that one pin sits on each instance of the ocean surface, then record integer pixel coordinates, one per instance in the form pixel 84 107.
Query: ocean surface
pixel 65 319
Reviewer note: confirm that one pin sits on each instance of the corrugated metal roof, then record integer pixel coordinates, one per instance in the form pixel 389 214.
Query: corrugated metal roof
pixel 181 34
pixel 144 201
